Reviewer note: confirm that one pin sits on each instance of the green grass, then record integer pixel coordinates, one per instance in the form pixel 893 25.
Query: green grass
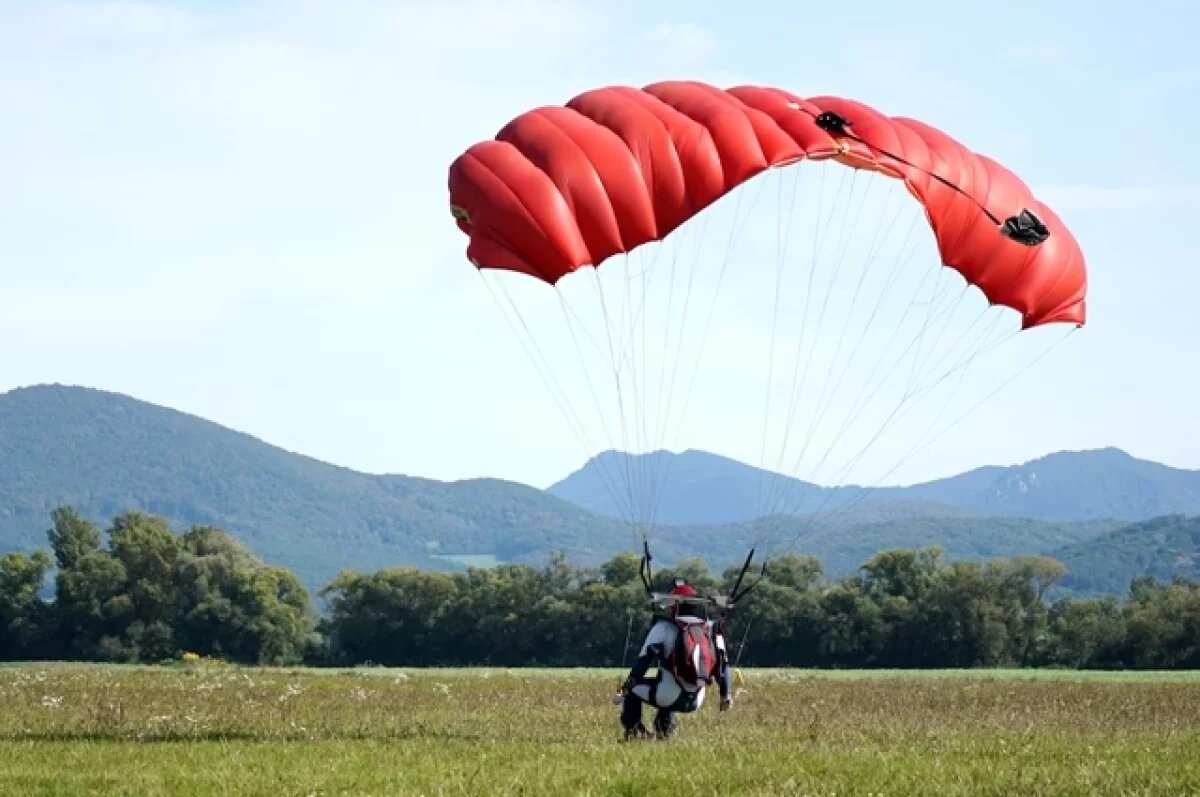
pixel 67 729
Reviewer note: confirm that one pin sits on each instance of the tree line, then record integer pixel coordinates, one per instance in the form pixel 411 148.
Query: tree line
pixel 140 592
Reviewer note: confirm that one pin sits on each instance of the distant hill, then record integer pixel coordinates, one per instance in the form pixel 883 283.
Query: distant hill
pixel 105 453
pixel 699 487
pixel 1164 547
pixel 1072 485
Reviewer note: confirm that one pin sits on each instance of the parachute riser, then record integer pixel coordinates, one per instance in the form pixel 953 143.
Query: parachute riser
pixel 761 575
pixel 736 594
pixel 725 604
pixel 645 572
pixel 737 584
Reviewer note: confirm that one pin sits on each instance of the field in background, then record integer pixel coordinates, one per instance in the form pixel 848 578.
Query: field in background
pixel 213 730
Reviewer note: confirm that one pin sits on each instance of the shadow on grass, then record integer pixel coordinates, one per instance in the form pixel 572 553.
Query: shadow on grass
pixel 169 737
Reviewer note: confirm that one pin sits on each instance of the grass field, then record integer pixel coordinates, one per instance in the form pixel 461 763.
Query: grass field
pixel 68 729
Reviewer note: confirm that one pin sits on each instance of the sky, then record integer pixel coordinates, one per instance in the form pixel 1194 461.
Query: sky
pixel 239 210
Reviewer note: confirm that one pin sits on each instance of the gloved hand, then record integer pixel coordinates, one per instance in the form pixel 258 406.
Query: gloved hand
pixel 626 686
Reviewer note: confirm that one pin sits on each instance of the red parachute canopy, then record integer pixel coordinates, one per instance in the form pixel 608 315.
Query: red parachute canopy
pixel 564 187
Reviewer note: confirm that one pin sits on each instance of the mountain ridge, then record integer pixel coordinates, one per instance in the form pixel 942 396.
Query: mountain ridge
pixel 106 453
pixel 1088 484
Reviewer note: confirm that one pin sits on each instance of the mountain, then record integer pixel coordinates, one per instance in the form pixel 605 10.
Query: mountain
pixel 1163 547
pixel 106 453
pixel 698 487
pixel 1066 486
pixel 1072 485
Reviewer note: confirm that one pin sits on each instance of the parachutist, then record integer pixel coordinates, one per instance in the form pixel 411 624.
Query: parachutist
pixel 689 651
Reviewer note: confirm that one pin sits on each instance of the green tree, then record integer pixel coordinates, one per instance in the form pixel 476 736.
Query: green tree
pixel 394 616
pixel 1162 624
pixel 854 628
pixel 1085 634
pixel 960 623
pixel 24 617
pixel 1022 583
pixel 231 605
pixel 897 583
pixel 94 609
pixel 147 549
pixel 72 537
pixel 280 617
pixel 622 569
pixel 692 570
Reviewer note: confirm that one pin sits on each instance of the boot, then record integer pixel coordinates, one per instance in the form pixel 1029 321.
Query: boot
pixel 637 732
pixel 665 723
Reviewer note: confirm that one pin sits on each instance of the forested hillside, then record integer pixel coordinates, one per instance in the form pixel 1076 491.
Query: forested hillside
pixel 105 453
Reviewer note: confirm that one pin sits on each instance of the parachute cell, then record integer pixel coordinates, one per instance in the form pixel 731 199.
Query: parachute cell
pixel 560 188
